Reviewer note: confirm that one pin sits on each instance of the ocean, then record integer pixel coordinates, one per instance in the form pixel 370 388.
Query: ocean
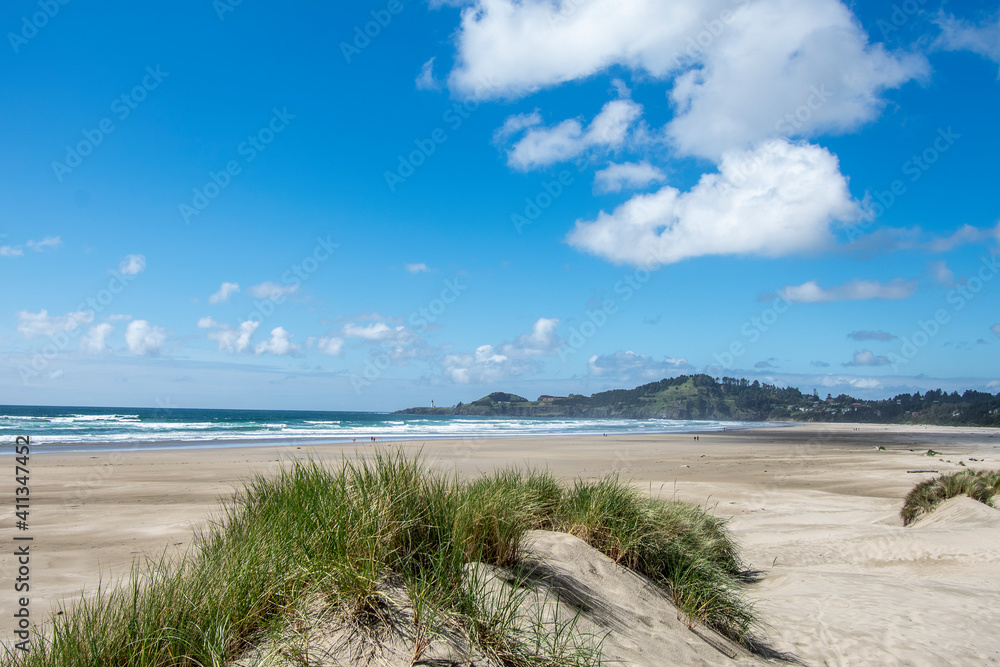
pixel 91 429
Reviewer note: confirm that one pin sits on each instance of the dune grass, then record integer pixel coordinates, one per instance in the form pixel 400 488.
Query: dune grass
pixel 339 533
pixel 980 485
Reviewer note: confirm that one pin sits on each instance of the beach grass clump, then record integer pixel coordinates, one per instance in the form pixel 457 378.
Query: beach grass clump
pixel 980 485
pixel 341 533
pixel 678 545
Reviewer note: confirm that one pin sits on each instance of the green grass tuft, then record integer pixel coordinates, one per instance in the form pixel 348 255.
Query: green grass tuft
pixel 980 485
pixel 342 533
pixel 677 545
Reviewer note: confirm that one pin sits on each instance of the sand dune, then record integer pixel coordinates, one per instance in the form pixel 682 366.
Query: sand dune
pixel 631 618
pixel 814 507
pixel 562 581
pixel 961 515
pixel 843 591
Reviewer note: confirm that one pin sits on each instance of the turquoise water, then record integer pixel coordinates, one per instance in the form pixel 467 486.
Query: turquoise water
pixel 72 428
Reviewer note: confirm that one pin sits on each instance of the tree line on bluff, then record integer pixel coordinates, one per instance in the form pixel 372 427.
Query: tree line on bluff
pixel 704 397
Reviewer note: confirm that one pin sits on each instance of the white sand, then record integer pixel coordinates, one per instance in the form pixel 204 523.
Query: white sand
pixel 815 508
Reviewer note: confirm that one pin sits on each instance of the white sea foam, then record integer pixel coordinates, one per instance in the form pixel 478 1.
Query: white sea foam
pixel 232 426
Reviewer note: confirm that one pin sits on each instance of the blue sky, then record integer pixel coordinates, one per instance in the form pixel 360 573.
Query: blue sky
pixel 371 206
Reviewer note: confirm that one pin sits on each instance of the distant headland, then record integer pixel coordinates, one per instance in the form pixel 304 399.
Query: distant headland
pixel 704 397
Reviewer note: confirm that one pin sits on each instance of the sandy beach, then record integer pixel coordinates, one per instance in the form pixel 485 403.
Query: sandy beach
pixel 815 508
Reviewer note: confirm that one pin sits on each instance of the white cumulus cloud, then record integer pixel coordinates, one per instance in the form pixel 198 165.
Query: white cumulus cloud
pixel 144 339
pixel 45 244
pixel 963 235
pixel 856 290
pixel 132 265
pixel 632 367
pixel 279 343
pixel 749 82
pixel 416 268
pixel 330 345
pixel 792 68
pixel 226 290
pixel 515 124
pixel 541 341
pixel 484 365
pixel 94 341
pixel 850 381
pixel 959 35
pixel 627 176
pixel 941 274
pixel 542 146
pixel 35 325
pixel 229 339
pixel 377 331
pixel 779 199
pixel 489 363
pixel 867 358
pixel 425 80
pixel 736 71
pixel 515 47
pixel 271 290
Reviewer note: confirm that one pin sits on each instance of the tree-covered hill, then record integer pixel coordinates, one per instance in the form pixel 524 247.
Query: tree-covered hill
pixel 705 397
